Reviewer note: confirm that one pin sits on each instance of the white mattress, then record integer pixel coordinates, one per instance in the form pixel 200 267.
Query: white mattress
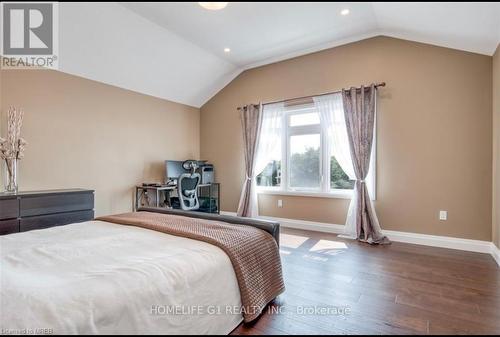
pixel 97 277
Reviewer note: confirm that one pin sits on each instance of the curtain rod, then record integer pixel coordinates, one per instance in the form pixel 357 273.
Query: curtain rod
pixel 381 84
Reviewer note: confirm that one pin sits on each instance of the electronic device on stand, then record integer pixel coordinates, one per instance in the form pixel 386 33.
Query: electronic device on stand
pixel 159 194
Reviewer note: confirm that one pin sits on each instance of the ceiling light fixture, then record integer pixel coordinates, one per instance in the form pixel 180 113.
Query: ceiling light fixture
pixel 345 11
pixel 227 50
pixel 213 6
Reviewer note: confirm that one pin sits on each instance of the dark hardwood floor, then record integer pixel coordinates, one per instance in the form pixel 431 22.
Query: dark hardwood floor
pixel 396 289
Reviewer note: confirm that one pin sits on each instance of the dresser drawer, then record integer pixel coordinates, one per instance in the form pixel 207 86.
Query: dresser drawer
pixel 42 205
pixel 9 226
pixel 46 221
pixel 9 209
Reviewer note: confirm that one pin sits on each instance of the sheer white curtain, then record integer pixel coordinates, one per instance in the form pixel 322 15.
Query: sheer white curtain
pixel 331 113
pixel 269 144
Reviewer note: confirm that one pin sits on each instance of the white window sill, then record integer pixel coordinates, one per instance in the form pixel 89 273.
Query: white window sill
pixel 335 194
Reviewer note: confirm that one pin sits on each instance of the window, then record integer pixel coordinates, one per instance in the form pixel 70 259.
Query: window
pixel 339 180
pixel 305 164
pixel 307 118
pixel 310 151
pixel 271 175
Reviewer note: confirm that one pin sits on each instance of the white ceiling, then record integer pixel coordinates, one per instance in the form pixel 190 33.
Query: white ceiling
pixel 108 43
pixel 259 31
pixel 174 50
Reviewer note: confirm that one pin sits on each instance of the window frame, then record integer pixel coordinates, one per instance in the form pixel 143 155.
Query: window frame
pixel 324 190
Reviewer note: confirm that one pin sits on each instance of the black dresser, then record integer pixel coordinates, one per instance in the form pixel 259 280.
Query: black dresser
pixel 25 211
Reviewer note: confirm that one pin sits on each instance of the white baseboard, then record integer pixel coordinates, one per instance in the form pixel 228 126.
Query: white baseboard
pixel 301 224
pixel 308 225
pixel 440 241
pixel 228 213
pixel 495 252
pixel 396 236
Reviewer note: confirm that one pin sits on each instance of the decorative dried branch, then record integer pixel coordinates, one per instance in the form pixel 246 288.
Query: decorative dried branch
pixel 13 147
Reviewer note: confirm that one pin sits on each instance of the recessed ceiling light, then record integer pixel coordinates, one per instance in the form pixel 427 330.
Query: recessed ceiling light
pixel 227 50
pixel 213 6
pixel 345 11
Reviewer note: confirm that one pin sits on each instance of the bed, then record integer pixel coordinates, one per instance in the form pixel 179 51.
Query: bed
pixel 100 277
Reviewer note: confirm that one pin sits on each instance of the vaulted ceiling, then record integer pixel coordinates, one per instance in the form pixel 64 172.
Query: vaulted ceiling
pixel 175 50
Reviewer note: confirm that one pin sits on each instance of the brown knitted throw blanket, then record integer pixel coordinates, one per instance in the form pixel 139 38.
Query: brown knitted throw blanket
pixel 253 252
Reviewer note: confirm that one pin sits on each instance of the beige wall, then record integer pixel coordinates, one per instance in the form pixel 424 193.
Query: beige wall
pixel 434 133
pixel 496 147
pixel 91 135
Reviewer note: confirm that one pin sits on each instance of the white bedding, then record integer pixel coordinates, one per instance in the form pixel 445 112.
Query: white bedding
pixel 97 277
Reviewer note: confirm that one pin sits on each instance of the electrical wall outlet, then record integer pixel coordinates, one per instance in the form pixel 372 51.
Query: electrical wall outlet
pixel 280 203
pixel 443 215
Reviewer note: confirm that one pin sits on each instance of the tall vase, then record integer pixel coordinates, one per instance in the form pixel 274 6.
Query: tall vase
pixel 11 175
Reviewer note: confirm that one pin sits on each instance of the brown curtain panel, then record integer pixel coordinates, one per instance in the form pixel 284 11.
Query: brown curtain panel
pixel 251 123
pixel 359 111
